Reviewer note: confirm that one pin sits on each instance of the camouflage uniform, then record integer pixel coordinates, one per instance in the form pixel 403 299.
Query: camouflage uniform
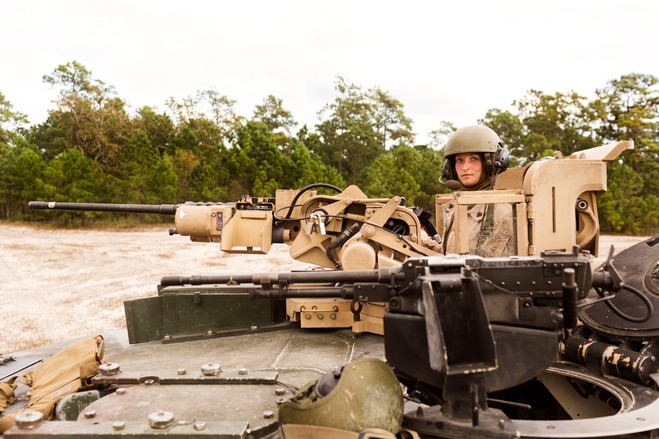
pixel 487 238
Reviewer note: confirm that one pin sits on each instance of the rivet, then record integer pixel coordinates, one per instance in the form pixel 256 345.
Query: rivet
pixel 199 425
pixel 333 316
pixel 89 414
pixel 118 425
pixel 280 391
pixel 121 391
pixel 211 369
pixel 161 419
pixel 242 371
pixel 181 371
pixel 28 420
pixel 280 401
pixel 268 414
pixel 307 316
pixel 109 369
pixel 320 316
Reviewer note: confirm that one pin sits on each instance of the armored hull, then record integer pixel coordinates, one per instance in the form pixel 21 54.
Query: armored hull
pixel 232 382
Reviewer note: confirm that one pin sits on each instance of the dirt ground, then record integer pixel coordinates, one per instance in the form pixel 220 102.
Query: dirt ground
pixel 61 284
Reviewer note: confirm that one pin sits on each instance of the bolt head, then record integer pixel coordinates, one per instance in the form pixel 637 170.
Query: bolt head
pixel 160 419
pixel 211 369
pixel 108 369
pixel 28 420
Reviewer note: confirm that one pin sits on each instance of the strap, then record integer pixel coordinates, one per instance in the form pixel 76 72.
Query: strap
pixel 7 397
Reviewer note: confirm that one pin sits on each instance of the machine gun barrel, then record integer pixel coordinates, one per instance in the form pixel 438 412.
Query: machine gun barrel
pixel 382 275
pixel 160 209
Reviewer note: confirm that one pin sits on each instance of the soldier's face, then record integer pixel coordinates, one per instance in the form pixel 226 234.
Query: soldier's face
pixel 469 168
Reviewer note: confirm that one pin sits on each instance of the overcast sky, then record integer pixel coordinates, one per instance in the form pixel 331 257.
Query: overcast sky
pixel 442 60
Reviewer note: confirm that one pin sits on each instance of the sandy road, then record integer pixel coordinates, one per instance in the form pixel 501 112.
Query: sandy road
pixel 61 284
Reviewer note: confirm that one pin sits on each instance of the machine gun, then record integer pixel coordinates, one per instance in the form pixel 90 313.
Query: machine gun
pixel 455 328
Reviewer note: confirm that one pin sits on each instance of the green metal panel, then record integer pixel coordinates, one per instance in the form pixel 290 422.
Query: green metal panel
pixel 144 319
pixel 200 311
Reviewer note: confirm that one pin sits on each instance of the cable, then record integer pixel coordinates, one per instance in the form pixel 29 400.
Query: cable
pixel 306 188
pixel 622 314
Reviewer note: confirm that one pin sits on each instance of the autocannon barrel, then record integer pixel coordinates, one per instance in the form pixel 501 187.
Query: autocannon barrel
pixel 160 209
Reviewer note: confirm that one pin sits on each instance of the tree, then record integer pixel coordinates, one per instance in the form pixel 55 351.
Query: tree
pixel 439 136
pixel 629 110
pixel 411 172
pixel 274 115
pixel 544 124
pixel 307 168
pixel 89 117
pixel 208 105
pixel 391 124
pixel 357 127
pixel 10 120
pixel 21 177
pixel 258 166
pixel 158 127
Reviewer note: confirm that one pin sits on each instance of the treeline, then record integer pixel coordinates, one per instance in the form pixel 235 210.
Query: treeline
pixel 91 149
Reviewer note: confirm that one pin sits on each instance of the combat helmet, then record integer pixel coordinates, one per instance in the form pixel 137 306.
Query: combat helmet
pixel 362 395
pixel 480 139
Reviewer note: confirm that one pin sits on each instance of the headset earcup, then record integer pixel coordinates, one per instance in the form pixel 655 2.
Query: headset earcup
pixel 447 172
pixel 501 160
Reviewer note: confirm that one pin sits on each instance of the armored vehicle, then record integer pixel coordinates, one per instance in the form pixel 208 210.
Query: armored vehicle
pixel 387 338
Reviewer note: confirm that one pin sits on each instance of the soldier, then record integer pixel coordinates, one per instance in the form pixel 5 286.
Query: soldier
pixel 474 156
